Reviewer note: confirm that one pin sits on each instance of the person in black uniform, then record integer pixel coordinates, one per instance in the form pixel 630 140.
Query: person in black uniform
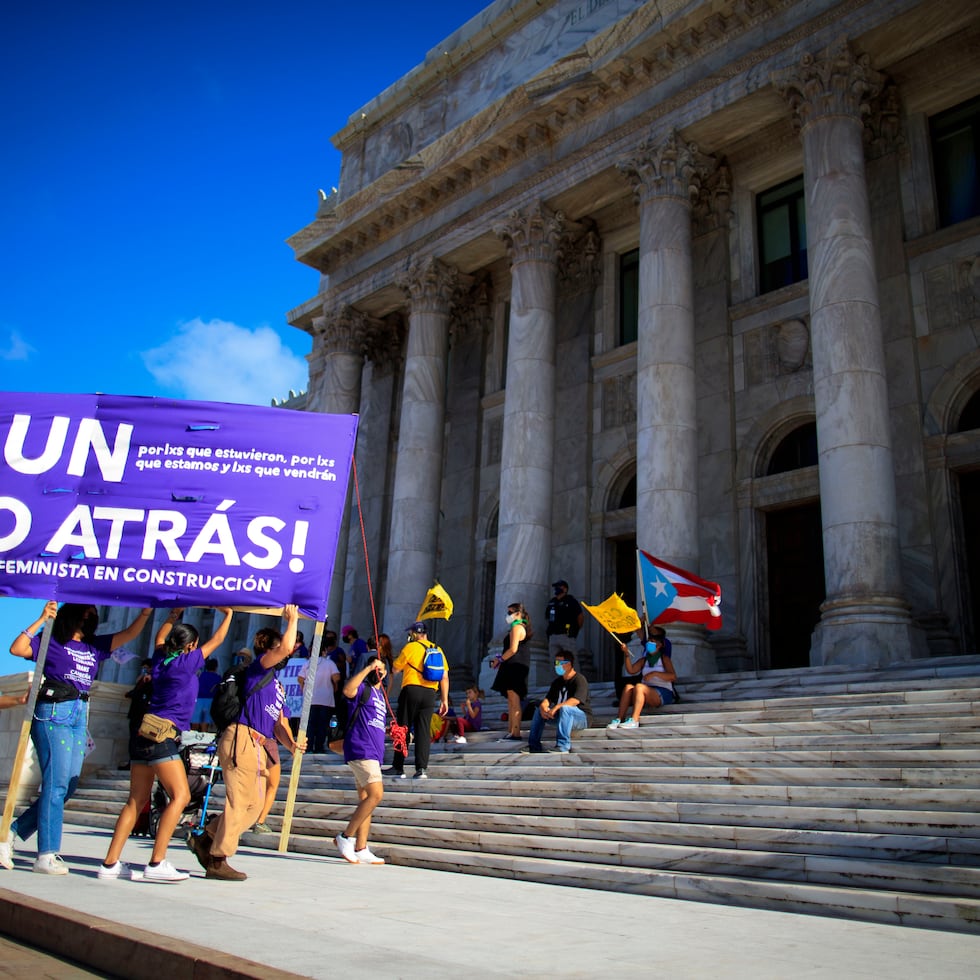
pixel 565 617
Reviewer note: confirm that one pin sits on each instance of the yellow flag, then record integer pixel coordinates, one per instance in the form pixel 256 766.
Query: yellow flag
pixel 437 604
pixel 615 615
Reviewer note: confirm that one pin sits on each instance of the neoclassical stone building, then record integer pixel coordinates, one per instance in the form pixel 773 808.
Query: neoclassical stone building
pixel 700 276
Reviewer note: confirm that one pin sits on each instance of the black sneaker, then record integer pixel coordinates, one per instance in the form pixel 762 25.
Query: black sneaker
pixel 393 772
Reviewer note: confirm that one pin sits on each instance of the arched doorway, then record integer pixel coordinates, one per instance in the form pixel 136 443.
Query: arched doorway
pixel 794 558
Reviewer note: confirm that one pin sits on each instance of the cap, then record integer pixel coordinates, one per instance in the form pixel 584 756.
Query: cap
pixel 416 628
pixel 347 629
pixel 561 582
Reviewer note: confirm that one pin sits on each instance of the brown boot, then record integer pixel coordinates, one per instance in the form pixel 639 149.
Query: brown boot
pixel 218 867
pixel 200 844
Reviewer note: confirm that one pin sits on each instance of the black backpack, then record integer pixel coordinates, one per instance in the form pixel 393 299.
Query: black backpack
pixel 228 699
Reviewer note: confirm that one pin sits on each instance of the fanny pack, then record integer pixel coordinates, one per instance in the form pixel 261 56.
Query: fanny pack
pixel 57 691
pixel 156 729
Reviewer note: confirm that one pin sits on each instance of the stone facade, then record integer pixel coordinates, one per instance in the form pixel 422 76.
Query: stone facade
pixel 475 309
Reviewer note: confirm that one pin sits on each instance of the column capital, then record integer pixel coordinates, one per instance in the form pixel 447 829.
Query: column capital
pixel 883 127
pixel 342 330
pixel 579 263
pixel 532 233
pixel 670 167
pixel 383 342
pixel 835 82
pixel 431 285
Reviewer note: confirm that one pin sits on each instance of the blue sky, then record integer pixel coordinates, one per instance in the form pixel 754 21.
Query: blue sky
pixel 155 160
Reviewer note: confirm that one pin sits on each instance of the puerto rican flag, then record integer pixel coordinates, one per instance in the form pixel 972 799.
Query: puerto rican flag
pixel 672 595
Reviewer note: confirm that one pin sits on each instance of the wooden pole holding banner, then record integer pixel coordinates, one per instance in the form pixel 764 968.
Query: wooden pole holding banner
pixel 16 773
pixel 643 591
pixel 304 717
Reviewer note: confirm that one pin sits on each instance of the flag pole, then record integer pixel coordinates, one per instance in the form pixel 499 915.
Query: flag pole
pixel 23 742
pixel 304 717
pixel 643 591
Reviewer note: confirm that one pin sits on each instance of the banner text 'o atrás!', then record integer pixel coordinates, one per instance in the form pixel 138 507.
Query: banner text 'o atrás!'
pixel 148 501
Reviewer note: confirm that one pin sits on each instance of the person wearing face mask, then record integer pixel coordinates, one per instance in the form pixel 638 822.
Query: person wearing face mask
pixel 175 664
pixel 565 617
pixel 364 750
pixel 512 666
pixel 566 704
pixel 58 729
pixel 656 685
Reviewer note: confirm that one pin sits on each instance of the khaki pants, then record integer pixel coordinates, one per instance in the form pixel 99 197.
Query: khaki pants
pixel 241 759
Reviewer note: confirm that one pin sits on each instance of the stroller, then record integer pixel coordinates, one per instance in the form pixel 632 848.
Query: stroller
pixel 198 753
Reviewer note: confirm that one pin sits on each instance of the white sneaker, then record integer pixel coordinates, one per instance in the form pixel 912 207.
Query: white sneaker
pixel 7 853
pixel 364 856
pixel 630 723
pixel 346 847
pixel 118 870
pixel 460 740
pixel 164 873
pixel 613 724
pixel 50 864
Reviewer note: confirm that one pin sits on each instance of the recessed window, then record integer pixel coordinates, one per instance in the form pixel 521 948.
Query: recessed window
pixel 629 296
pixel 797 450
pixel 955 156
pixel 781 219
pixel 970 420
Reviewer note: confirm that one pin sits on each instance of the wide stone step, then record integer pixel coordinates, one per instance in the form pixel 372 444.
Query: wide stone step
pixel 865 904
pixel 313 818
pixel 662 725
pixel 924 742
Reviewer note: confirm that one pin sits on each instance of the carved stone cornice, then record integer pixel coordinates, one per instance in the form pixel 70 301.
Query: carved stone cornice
pixel 532 234
pixel 836 82
pixel 579 259
pixel 671 167
pixel 430 285
pixel 883 127
pixel 712 210
pixel 384 341
pixel 341 331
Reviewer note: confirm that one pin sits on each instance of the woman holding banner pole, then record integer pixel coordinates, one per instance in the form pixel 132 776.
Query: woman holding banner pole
pixel 58 729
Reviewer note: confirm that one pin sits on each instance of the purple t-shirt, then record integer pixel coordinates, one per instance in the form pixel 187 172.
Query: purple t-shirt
pixel 75 662
pixel 365 738
pixel 175 686
pixel 264 706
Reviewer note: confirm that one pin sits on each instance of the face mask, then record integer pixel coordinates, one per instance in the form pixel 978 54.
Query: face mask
pixel 510 618
pixel 650 647
pixel 560 670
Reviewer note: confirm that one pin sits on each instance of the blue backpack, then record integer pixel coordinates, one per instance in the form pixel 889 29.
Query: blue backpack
pixel 433 664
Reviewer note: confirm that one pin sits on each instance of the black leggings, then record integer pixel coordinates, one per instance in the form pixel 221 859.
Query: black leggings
pixel 415 707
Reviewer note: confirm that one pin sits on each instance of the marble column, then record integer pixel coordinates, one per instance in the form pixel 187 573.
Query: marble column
pixel 527 466
pixel 865 619
pixel 666 176
pixel 431 287
pixel 339 346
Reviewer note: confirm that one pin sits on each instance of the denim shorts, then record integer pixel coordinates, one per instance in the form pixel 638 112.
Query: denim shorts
pixel 666 694
pixel 143 752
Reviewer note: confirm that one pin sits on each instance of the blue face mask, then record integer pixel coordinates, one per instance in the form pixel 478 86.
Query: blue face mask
pixel 650 647
pixel 560 670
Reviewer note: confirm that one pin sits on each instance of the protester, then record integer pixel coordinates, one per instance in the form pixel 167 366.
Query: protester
pixel 207 682
pixel 139 702
pixel 513 665
pixel 59 726
pixel 566 704
pixel 364 749
pixel 357 649
pixel 174 667
pixel 240 750
pixel 656 685
pixel 326 684
pixel 416 700
pixel 565 617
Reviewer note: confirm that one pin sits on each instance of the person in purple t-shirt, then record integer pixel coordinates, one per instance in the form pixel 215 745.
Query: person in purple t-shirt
pixel 174 666
pixel 364 750
pixel 241 750
pixel 58 729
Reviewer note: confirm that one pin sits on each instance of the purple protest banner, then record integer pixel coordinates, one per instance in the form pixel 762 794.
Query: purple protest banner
pixel 122 500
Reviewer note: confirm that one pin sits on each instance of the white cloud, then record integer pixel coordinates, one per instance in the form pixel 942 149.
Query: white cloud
pixel 221 361
pixel 15 348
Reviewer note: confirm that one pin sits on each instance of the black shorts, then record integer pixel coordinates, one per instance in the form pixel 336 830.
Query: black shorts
pixel 146 753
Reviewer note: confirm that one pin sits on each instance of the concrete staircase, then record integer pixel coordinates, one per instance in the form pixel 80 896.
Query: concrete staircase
pixel 831 791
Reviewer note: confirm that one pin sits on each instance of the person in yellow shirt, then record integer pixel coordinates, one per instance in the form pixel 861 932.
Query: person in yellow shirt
pixel 423 677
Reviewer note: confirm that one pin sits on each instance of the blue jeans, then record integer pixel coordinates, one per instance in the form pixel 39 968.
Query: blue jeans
pixel 569 720
pixel 58 732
